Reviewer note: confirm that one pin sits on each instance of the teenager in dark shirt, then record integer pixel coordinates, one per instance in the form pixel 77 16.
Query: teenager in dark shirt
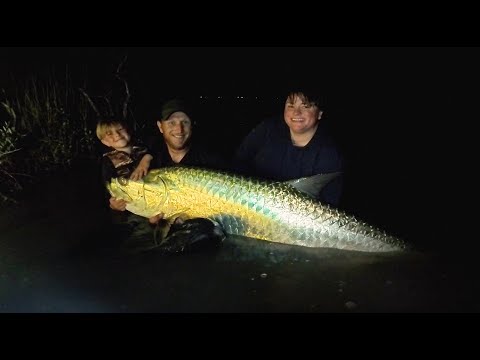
pixel 293 147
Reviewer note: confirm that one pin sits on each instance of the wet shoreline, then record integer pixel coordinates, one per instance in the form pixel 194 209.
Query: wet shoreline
pixel 59 256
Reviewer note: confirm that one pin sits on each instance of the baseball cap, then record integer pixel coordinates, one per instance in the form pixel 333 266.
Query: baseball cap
pixel 173 106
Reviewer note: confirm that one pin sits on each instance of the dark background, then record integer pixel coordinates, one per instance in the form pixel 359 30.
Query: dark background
pixel 400 114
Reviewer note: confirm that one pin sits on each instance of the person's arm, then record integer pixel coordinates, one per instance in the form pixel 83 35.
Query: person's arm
pixel 249 147
pixel 155 146
pixel 117 204
pixel 332 192
pixel 142 167
pixel 109 172
pixel 155 219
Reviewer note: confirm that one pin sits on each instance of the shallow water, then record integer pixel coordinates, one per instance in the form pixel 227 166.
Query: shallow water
pixel 58 257
pixel 243 275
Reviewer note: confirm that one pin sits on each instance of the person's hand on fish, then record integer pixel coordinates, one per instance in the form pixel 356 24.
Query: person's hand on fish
pixel 142 169
pixel 155 219
pixel 117 204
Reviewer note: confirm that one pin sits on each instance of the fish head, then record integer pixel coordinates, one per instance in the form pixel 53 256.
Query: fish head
pixel 144 197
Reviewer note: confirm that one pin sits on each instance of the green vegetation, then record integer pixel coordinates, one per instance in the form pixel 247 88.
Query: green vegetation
pixel 43 128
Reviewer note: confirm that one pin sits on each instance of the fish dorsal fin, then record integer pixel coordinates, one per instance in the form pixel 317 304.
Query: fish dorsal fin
pixel 312 185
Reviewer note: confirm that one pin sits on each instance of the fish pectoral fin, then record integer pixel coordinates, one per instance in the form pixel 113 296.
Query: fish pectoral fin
pixel 313 185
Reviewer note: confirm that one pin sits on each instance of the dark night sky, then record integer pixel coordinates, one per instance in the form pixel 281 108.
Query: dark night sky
pixel 402 115
pixel 410 98
pixel 365 84
pixel 346 75
pixel 219 69
pixel 367 89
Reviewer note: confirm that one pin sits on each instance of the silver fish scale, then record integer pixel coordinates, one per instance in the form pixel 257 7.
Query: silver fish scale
pixel 278 212
pixel 270 211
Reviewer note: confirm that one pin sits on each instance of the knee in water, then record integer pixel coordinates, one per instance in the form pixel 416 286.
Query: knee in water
pixel 193 234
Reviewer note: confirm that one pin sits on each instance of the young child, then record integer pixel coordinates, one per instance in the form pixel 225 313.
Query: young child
pixel 126 160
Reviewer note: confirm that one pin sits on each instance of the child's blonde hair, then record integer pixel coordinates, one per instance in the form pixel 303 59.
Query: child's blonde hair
pixel 103 125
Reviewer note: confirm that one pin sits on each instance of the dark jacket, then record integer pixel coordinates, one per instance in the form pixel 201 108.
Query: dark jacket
pixel 267 152
pixel 120 164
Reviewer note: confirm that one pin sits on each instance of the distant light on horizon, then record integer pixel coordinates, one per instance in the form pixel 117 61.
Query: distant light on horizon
pixel 205 97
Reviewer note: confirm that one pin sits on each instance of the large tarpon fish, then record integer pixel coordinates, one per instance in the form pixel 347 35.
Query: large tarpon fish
pixel 283 212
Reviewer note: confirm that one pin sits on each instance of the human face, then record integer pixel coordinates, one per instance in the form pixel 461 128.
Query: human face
pixel 117 137
pixel 176 130
pixel 300 115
